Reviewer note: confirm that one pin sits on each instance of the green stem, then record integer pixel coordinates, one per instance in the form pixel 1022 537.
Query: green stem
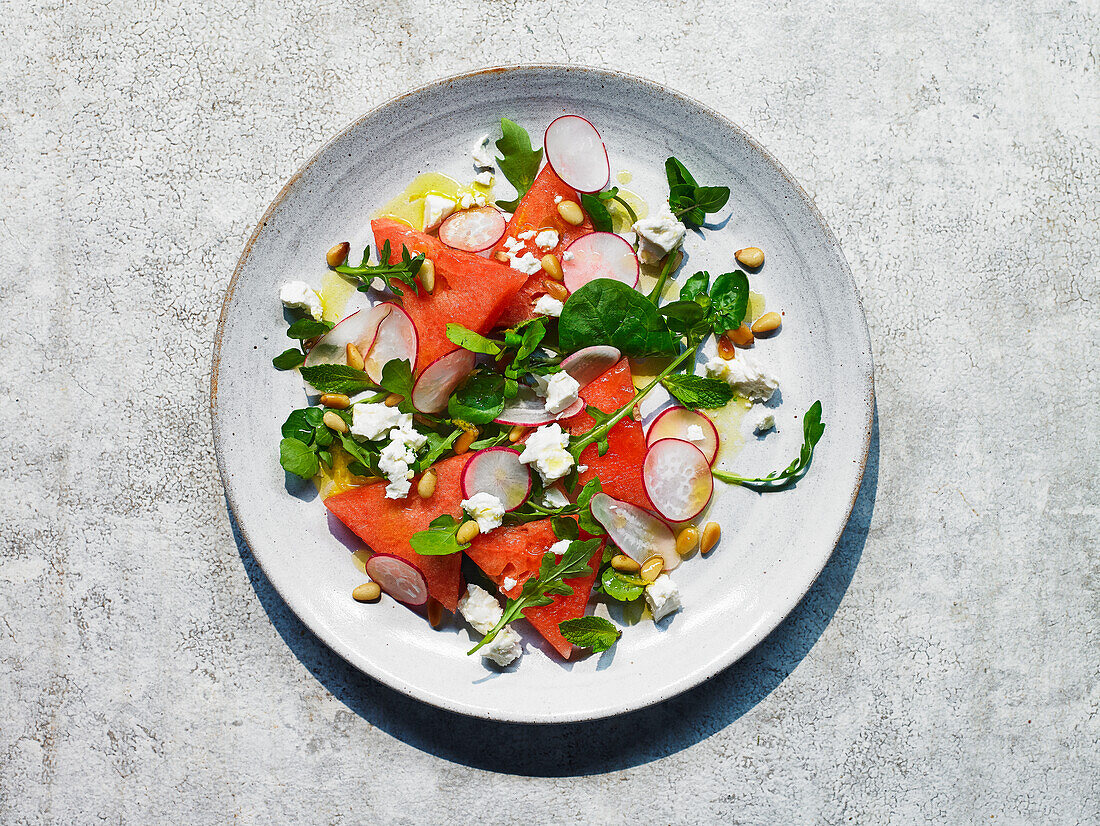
pixel 666 270
pixel 629 210
pixel 510 613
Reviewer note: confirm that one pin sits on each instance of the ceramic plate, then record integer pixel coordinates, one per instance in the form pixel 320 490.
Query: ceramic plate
pixel 774 545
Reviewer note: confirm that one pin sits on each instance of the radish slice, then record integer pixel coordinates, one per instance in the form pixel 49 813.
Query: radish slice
pixel 529 408
pixel 396 339
pixel 573 409
pixel 473 230
pixel 360 328
pixel 398 578
pixel 497 471
pixel 677 479
pixel 589 363
pixel 576 152
pixel 676 422
pixel 440 378
pixel 637 532
pixel 600 255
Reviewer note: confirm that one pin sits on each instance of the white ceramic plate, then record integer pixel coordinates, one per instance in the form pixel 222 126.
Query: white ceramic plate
pixel 773 546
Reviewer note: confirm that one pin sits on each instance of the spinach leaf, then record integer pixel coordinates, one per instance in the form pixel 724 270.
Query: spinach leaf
pixel 397 377
pixel 729 300
pixel 688 201
pixel 479 399
pixel 621 586
pixel 605 311
pixel 597 211
pixel 519 164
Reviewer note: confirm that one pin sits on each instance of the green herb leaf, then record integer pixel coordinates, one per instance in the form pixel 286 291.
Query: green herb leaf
pixel 697 287
pixel 590 632
pixel 289 359
pixel 439 538
pixel 812 428
pixel 306 328
pixel 597 211
pixel 605 311
pixel 474 342
pixel 338 378
pixel 695 392
pixel 365 454
pixel 729 300
pixel 392 274
pixel 397 377
pixel 479 399
pixel 298 458
pixel 298 426
pixel 438 444
pixel 621 586
pixel 689 201
pixel 565 528
pixel 519 163
pixel 533 334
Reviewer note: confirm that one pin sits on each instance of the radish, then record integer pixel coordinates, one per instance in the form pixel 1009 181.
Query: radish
pixel 398 578
pixel 499 472
pixel 600 255
pixel 529 408
pixel 396 339
pixel 677 479
pixel 473 230
pixel 440 378
pixel 360 328
pixel 674 423
pixel 576 152
pixel 637 532
pixel 589 363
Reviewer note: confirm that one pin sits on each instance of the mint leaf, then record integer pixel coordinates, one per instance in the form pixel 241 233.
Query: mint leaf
pixel 298 458
pixel 590 632
pixel 474 342
pixel 519 163
pixel 338 378
pixel 289 359
pixel 695 392
pixel 306 328
pixel 439 538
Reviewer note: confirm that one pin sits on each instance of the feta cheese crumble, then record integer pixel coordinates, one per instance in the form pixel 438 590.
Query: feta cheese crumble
pixel 663 597
pixel 745 376
pixel 567 256
pixel 371 421
pixel 546 449
pixel 436 209
pixel 561 392
pixel 765 424
pixel 482 611
pixel 471 199
pixel 483 179
pixel 547 239
pixel 548 305
pixel 482 155
pixel 485 509
pixel 509 583
pixel 555 498
pixel 557 199
pixel 512 245
pixel 559 547
pixel 659 235
pixel 695 433
pixel 298 295
pixel 527 235
pixel 395 461
pixel 526 263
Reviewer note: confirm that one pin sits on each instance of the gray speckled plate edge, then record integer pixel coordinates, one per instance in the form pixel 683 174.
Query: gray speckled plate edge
pixel 864 404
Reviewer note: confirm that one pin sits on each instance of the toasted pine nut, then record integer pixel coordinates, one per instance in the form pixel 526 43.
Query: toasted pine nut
pixel 742 336
pixel 687 540
pixel 394 399
pixel 426 486
pixel 751 257
pixel 463 442
pixel 552 267
pixel 367 592
pixel 427 276
pixel 622 562
pixel 336 400
pixel 555 289
pixel 767 323
pixel 338 254
pixel 467 531
pixel 725 347
pixel 501 256
pixel 435 612
pixel 571 213
pixel 353 357
pixel 334 421
pixel 517 433
pixel 652 567
pixel 711 534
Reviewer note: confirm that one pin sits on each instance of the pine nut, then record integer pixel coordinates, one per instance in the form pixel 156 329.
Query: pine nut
pixel 652 567
pixel 463 442
pixel 767 323
pixel 687 540
pixel 338 254
pixel 725 347
pixel 334 421
pixel 751 257
pixel 367 592
pixel 571 213
pixel 427 276
pixel 435 612
pixel 742 336
pixel 394 399
pixel 517 433
pixel 552 267
pixel 336 400
pixel 622 562
pixel 501 256
pixel 353 357
pixel 467 531
pixel 711 534
pixel 426 486
pixel 555 289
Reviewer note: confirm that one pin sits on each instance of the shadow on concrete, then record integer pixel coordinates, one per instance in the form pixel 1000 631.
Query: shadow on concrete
pixel 600 746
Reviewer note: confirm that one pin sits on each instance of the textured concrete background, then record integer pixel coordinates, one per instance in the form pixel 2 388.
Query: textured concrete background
pixel 943 669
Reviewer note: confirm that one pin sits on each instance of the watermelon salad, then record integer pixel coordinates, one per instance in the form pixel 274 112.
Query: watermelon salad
pixel 476 419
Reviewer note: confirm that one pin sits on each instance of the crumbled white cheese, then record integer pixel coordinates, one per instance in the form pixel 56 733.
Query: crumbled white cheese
pixel 560 547
pixel 436 209
pixel 482 155
pixel 546 449
pixel 527 235
pixel 745 376
pixel 663 597
pixel 659 235
pixel 526 263
pixel 567 256
pixel 471 199
pixel 766 423
pixel 558 199
pixel 512 245
pixel 395 462
pixel 485 509
pixel 482 611
pixel 484 178
pixel 509 583
pixel 561 391
pixel 555 498
pixel 582 468
pixel 547 239
pixel 548 305
pixel 370 421
pixel 695 433
pixel 298 295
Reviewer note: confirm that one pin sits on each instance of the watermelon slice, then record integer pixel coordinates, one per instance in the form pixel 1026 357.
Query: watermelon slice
pixel 386 525
pixel 469 289
pixel 516 551
pixel 538 211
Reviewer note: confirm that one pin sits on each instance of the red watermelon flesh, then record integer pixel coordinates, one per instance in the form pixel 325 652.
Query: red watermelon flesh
pixel 538 211
pixel 469 290
pixel 385 525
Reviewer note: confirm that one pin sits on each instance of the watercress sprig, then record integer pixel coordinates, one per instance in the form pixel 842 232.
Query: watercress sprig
pixel 400 272
pixel 812 428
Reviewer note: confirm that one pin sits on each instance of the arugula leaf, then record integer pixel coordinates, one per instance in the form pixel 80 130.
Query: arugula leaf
pixel 688 201
pixel 605 311
pixel 338 378
pixel 729 300
pixel 479 399
pixel 812 428
pixel 474 342
pixel 520 163
pixel 366 455
pixel 403 271
pixel 289 359
pixel 597 211
pixel 307 328
pixel 298 458
pixel 695 392
pixel 590 632
pixel 397 377
pixel 621 586
pixel 439 538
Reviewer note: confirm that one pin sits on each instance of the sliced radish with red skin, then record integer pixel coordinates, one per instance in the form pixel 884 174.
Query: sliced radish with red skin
pixel 571 411
pixel 577 154
pixel 674 422
pixel 360 328
pixel 398 578
pixel 396 339
pixel 528 408
pixel 600 255
pixel 498 472
pixel 473 230
pixel 589 363
pixel 638 533
pixel 677 479
pixel 440 378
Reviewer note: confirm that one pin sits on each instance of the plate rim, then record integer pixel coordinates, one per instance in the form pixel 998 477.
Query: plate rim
pixel 691 678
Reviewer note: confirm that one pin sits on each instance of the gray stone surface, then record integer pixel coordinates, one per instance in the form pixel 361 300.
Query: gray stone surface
pixel 943 669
